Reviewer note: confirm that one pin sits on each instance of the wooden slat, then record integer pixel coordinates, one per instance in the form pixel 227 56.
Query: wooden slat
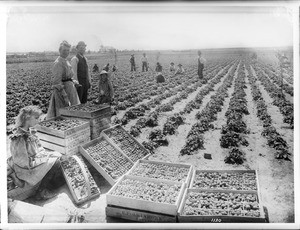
pixel 138 215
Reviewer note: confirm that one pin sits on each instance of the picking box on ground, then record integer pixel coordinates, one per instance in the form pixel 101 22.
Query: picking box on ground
pixel 63 134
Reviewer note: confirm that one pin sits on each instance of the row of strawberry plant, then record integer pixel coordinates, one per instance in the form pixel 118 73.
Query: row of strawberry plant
pixel 274 139
pixel 232 134
pixel 286 108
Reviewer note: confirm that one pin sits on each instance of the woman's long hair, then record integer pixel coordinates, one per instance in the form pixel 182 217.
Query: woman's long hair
pixel 25 113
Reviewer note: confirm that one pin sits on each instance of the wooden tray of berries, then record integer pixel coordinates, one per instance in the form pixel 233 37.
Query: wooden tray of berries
pixel 216 206
pixel 62 127
pixel 108 160
pixel 79 180
pixel 147 194
pixel 87 110
pixel 125 142
pixel 225 179
pixel 163 170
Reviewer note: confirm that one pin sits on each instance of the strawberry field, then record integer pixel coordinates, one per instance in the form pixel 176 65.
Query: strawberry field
pixel 241 113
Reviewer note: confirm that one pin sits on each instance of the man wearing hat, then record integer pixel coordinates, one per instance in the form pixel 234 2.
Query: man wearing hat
pixel 159 77
pixel 201 63
pixel 180 70
pixel 132 63
pixel 81 72
pixel 106 90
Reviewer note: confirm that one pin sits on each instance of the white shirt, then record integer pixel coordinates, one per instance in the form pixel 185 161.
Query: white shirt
pixel 144 59
pixel 74 63
pixel 202 60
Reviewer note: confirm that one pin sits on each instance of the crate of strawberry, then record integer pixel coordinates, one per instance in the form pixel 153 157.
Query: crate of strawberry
pixel 79 180
pixel 88 110
pixel 98 116
pixel 225 179
pixel 108 160
pixel 125 142
pixel 146 194
pixel 163 170
pixel 218 206
pixel 63 134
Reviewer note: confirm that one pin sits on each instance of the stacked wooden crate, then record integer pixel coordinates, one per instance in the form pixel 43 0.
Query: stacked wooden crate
pixel 98 116
pixel 150 192
pixel 222 196
pixel 63 134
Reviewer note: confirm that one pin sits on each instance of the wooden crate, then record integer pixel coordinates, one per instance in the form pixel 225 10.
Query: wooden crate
pixel 111 158
pixel 138 215
pixel 99 119
pixel 189 167
pixel 225 171
pixel 65 142
pixel 220 218
pixel 130 148
pixel 86 175
pixel 149 206
pixel 78 111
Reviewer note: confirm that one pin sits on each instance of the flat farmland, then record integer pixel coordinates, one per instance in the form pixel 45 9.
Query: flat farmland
pixel 241 113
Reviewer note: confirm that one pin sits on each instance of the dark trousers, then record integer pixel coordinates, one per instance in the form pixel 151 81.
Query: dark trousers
pixel 200 71
pixel 144 66
pixel 82 94
pixel 133 67
pixel 53 179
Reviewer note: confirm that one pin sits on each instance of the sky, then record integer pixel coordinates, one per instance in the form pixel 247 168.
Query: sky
pixel 149 27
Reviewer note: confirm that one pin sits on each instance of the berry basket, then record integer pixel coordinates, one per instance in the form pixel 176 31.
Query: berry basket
pixel 79 180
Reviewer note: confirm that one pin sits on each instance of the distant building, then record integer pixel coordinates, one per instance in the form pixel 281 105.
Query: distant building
pixel 106 49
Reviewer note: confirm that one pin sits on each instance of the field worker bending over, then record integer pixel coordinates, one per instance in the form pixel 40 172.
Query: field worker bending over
pixel 81 72
pixel 95 68
pixel 106 91
pixel 159 77
pixel 201 64
pixel 64 91
pixel 30 165
pixel 179 70
pixel 144 63
pixel 132 63
pixel 172 67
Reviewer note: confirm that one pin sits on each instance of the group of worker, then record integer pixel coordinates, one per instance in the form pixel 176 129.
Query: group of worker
pixel 158 69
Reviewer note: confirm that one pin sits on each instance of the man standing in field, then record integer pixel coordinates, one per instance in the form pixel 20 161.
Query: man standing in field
pixel 144 63
pixel 132 63
pixel 201 63
pixel 81 72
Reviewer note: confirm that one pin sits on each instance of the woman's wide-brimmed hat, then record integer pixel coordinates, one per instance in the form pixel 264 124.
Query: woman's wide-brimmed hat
pixel 179 65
